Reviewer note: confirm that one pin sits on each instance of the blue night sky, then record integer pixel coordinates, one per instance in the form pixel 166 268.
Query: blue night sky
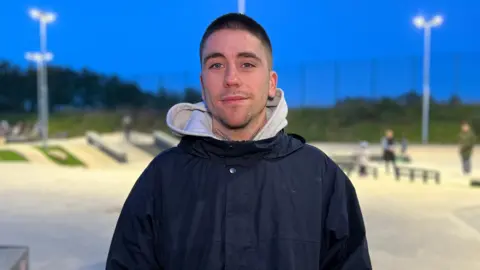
pixel 156 42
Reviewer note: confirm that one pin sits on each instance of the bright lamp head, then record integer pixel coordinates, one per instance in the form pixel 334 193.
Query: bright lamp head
pixel 419 21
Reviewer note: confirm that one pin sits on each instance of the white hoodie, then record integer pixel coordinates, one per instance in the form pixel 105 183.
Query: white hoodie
pixel 194 120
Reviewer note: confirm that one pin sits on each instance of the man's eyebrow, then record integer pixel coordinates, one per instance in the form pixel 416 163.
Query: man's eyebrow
pixel 240 55
pixel 249 55
pixel 212 55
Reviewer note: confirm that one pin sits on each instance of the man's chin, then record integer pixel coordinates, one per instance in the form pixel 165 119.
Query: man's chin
pixel 235 124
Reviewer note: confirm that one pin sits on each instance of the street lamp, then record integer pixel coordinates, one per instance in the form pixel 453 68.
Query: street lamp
pixel 241 6
pixel 42 97
pixel 421 23
pixel 41 58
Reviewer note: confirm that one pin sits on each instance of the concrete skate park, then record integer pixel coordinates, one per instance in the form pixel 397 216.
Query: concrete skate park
pixel 65 215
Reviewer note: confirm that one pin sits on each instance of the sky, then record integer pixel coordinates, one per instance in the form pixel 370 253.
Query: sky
pixel 322 49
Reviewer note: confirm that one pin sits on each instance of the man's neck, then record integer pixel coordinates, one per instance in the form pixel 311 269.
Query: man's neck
pixel 244 134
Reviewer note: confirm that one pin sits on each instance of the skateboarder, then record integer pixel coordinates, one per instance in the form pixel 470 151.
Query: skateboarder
pixel 467 140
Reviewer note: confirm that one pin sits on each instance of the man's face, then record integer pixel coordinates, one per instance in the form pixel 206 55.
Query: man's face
pixel 465 128
pixel 389 134
pixel 236 78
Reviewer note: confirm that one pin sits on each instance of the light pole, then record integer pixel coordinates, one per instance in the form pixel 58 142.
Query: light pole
pixel 41 58
pixel 427 26
pixel 241 6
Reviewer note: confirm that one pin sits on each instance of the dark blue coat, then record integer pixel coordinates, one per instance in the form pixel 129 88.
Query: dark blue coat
pixel 275 204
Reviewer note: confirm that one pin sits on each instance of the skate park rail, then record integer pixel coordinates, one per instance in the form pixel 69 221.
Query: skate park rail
pixel 413 173
pixel 95 140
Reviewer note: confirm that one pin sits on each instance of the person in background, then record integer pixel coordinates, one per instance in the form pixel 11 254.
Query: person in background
pixel 4 128
pixel 388 144
pixel 404 146
pixel 127 126
pixel 467 140
pixel 362 158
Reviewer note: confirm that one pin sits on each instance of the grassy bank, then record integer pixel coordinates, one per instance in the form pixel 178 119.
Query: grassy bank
pixel 313 124
pixel 61 156
pixel 8 155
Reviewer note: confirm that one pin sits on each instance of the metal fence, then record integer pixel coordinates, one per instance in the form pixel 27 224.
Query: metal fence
pixel 322 83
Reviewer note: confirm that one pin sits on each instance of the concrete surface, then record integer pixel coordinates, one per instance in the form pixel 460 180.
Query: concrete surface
pixel 67 216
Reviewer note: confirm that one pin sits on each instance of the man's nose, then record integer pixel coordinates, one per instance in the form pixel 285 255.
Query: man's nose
pixel 231 77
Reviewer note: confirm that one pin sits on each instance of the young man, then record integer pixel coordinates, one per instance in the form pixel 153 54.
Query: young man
pixel 238 192
pixel 467 140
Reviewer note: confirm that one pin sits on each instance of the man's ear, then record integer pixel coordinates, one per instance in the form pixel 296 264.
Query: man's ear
pixel 203 91
pixel 272 90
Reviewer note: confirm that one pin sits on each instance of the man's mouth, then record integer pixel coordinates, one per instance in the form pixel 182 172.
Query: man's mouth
pixel 232 99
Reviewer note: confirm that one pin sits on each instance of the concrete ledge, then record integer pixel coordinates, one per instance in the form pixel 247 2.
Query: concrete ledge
pixel 14 257
pixel 94 139
pixel 475 183
pixel 164 140
pixel 21 139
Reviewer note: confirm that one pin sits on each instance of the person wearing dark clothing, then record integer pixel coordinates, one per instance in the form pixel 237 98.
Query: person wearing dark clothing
pixel 238 192
pixel 467 140
pixel 388 144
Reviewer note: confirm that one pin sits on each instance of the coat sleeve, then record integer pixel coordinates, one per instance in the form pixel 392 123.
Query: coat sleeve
pixel 345 245
pixel 135 241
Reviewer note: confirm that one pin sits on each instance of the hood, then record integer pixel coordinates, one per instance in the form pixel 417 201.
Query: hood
pixel 186 119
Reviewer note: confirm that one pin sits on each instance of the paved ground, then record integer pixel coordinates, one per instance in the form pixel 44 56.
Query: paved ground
pixel 417 226
pixel 67 217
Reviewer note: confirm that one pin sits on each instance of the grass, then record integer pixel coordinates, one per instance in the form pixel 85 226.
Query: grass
pixel 61 156
pixel 312 124
pixel 9 155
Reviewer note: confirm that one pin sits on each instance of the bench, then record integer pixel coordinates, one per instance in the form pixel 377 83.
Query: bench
pixel 95 140
pixel 413 173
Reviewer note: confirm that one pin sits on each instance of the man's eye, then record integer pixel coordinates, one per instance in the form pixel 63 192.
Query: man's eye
pixel 215 66
pixel 247 65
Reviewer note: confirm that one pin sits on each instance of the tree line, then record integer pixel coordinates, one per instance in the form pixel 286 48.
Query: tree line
pixel 81 89
pixel 86 89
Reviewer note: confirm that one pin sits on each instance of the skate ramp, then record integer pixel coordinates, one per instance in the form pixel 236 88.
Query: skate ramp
pixel 150 148
pixel 164 140
pixel 88 154
pixel 134 154
pixel 13 258
pixel 33 155
pixel 155 143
